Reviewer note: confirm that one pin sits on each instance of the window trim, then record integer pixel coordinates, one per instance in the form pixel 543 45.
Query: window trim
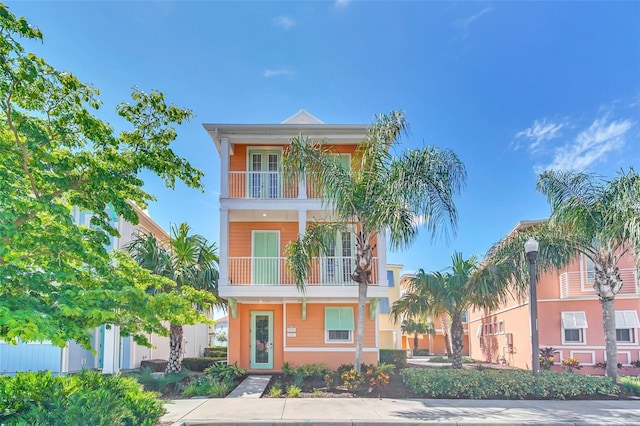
pixel 582 330
pixel 326 330
pixel 343 341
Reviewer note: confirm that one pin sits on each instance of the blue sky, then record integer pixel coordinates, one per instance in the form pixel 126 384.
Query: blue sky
pixel 512 87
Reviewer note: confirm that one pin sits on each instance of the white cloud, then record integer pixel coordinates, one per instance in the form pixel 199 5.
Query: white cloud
pixel 602 137
pixel 279 72
pixel 464 23
pixel 539 133
pixel 284 22
pixel 341 4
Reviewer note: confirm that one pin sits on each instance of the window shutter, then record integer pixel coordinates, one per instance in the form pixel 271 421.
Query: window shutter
pixel 338 319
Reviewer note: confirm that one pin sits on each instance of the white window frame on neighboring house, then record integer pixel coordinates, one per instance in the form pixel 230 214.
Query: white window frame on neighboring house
pixel 574 320
pixel 627 321
pixel 345 323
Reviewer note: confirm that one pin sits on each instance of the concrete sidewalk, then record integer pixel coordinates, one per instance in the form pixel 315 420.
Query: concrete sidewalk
pixel 363 411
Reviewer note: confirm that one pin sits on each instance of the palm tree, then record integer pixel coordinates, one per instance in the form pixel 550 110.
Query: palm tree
pixel 417 327
pixel 592 216
pixel 451 292
pixel 381 194
pixel 189 261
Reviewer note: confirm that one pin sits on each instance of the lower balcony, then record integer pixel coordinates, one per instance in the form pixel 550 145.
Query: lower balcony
pixel 272 271
pixel 579 284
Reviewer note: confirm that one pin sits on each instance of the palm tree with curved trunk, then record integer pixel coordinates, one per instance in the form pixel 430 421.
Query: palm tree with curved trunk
pixel 591 216
pixel 379 194
pixel 451 292
pixel 417 327
pixel 189 261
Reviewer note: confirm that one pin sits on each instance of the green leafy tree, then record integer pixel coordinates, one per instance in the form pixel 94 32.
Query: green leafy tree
pixel 590 215
pixel 189 261
pixel 417 327
pixel 451 292
pixel 57 280
pixel 380 193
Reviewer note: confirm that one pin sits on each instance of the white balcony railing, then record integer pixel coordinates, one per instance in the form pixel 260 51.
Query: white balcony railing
pixel 272 271
pixel 575 284
pixel 270 185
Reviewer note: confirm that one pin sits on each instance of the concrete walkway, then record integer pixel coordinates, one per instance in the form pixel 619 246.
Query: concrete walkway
pixel 251 387
pixel 363 411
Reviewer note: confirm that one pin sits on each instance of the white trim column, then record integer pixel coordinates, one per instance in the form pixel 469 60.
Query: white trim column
pixel 302 221
pixel 382 260
pixel 111 349
pixel 224 247
pixel 224 168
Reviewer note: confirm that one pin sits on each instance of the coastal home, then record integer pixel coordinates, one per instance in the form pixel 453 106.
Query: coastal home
pixel 569 318
pixel 111 352
pixel 390 334
pixel 271 322
pixel 436 344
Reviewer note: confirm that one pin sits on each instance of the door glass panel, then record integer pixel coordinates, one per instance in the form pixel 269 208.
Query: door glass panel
pixel 256 178
pixel 347 257
pixel 274 185
pixel 261 345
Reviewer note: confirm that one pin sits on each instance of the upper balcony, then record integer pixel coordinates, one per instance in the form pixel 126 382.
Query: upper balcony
pixel 580 284
pixel 271 185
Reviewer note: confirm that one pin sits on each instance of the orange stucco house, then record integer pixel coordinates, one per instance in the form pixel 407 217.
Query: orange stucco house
pixel 261 210
pixel 569 319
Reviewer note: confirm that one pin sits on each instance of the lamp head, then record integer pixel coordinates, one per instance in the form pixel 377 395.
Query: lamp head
pixel 531 246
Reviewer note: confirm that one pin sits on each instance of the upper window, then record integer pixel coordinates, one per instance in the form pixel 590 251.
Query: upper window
pixel 384 305
pixel 589 270
pixel 338 324
pixel 391 279
pixel 573 326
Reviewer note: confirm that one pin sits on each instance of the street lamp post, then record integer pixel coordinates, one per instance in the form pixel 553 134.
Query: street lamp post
pixel 531 249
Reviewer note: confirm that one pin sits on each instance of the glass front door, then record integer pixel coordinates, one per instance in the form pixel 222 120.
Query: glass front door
pixel 261 340
pixel 264 176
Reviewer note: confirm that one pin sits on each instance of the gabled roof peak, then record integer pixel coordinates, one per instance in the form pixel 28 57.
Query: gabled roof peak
pixel 302 117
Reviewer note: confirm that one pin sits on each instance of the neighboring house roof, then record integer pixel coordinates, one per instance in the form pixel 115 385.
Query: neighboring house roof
pixel 222 320
pixel 148 224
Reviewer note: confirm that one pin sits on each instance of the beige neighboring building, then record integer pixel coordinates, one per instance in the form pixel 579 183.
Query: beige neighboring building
pixel 389 333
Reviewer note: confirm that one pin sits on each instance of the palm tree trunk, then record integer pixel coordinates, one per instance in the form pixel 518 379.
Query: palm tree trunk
pixel 362 298
pixel 609 325
pixel 415 341
pixel 457 333
pixel 175 348
pixel 444 323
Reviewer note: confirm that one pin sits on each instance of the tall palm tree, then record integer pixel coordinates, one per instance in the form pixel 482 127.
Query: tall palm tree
pixel 379 193
pixel 451 292
pixel 592 216
pixel 189 261
pixel 417 327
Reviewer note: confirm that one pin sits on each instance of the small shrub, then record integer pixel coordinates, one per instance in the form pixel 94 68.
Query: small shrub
pixel 547 358
pixel 631 384
pixel 635 364
pixel 200 364
pixel 293 391
pixel 171 382
pixel 275 391
pixel 287 370
pixel 305 371
pixel 603 365
pixel 352 379
pixel 225 372
pixel 329 381
pixel 421 352
pixel 444 360
pixel 378 377
pixel 317 393
pixel 571 364
pixel 398 357
pixel 85 398
pixel 204 385
pixel 215 352
pixel 219 390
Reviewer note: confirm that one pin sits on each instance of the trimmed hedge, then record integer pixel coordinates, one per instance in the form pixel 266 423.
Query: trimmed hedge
pixel 215 352
pixel 421 352
pixel 199 364
pixel 397 357
pixel 503 384
pixel 87 398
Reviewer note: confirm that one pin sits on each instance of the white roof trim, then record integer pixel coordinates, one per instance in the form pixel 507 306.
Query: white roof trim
pixel 302 117
pixel 627 319
pixel 574 320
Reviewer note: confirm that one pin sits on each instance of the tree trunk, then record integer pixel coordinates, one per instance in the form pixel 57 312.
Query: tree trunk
pixel 457 333
pixel 175 348
pixel 607 284
pixel 415 341
pixel 444 323
pixel 611 345
pixel 362 298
